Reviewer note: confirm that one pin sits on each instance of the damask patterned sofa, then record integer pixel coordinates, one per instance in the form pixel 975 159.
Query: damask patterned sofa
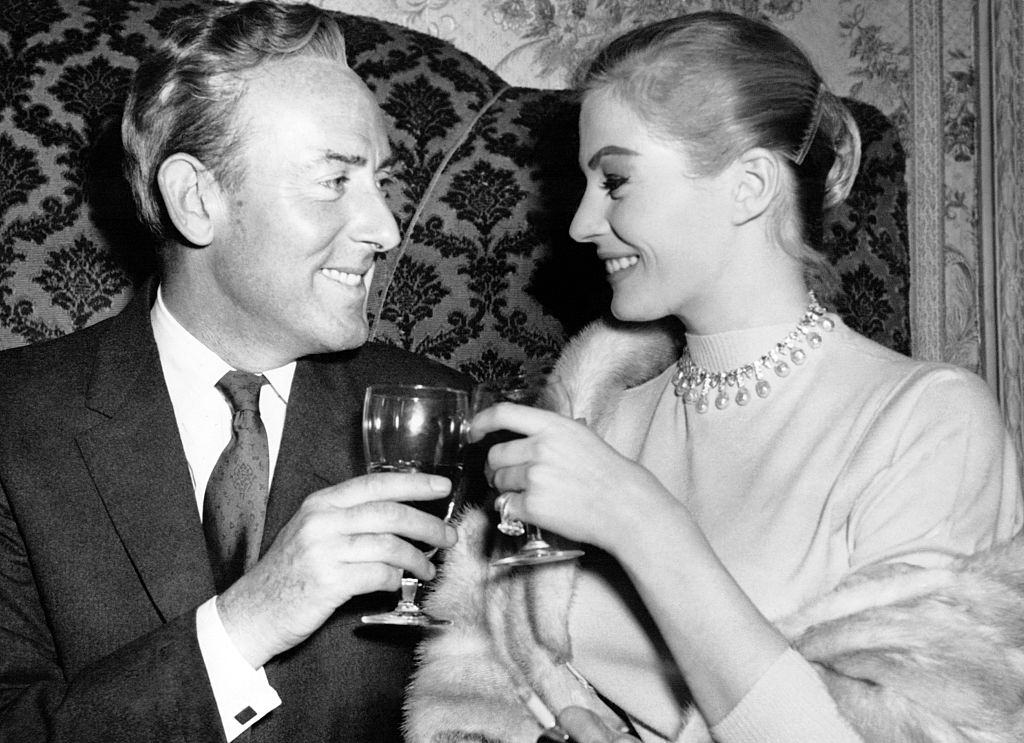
pixel 486 277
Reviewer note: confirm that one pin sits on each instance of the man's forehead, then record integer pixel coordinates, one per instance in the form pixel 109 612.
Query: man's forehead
pixel 303 74
pixel 313 84
pixel 321 112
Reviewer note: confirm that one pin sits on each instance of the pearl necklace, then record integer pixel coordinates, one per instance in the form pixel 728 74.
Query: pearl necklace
pixel 695 384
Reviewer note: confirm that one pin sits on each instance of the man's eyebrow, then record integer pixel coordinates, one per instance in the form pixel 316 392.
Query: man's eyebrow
pixel 358 160
pixel 608 150
pixel 332 156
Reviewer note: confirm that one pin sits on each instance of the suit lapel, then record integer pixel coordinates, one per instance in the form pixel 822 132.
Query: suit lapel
pixel 139 468
pixel 321 443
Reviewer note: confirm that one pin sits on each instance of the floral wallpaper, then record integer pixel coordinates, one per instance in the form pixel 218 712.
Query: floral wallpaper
pixel 913 60
pixel 865 50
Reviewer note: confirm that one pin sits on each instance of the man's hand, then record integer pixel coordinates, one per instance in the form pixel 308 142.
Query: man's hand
pixel 343 541
pixel 583 726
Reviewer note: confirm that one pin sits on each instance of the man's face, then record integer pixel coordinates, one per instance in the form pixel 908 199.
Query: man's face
pixel 289 267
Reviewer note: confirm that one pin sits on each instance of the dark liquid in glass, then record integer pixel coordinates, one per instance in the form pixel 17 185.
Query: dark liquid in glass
pixel 441 508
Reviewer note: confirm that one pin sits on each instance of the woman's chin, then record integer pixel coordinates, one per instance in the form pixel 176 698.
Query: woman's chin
pixel 630 312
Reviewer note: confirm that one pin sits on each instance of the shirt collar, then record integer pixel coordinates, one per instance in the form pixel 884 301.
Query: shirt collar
pixel 188 359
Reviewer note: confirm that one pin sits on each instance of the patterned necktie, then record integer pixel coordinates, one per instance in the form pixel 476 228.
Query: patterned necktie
pixel 236 495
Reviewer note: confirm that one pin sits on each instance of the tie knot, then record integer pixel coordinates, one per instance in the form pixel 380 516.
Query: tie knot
pixel 242 390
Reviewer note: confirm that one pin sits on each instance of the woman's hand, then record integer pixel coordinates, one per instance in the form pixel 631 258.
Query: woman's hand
pixel 583 726
pixel 563 477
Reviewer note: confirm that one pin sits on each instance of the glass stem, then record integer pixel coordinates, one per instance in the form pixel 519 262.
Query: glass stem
pixel 534 538
pixel 407 604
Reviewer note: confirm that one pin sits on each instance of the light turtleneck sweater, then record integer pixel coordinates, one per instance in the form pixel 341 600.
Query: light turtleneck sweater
pixel 859 456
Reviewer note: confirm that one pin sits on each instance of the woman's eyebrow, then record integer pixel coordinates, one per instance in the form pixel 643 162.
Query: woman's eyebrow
pixel 608 150
pixel 389 162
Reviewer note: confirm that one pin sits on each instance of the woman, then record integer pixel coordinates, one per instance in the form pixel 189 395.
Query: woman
pixel 782 455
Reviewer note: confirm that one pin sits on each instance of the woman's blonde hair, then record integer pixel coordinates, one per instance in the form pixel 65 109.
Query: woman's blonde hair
pixel 719 84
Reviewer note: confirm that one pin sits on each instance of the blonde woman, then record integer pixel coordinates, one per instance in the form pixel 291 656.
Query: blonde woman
pixel 718 493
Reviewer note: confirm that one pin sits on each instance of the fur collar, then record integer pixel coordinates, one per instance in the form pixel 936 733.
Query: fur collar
pixel 607 358
pixel 926 654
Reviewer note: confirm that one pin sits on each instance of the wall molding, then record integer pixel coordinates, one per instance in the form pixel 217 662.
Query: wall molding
pixel 926 203
pixel 1001 205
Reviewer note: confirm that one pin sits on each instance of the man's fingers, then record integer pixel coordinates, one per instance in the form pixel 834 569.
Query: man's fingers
pixel 391 518
pixel 371 577
pixel 378 559
pixel 385 486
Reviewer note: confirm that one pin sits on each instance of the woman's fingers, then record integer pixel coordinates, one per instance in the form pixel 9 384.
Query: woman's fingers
pixel 586 727
pixel 507 416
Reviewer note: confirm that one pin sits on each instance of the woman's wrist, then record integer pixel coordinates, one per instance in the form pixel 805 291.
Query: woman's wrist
pixel 650 519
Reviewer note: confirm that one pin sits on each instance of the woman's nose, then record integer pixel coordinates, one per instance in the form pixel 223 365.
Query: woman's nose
pixel 588 221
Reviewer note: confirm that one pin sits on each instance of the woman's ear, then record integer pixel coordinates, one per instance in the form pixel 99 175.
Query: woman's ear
pixel 190 194
pixel 759 175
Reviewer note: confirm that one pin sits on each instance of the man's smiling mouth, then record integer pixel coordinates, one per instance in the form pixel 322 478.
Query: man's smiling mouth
pixel 343 277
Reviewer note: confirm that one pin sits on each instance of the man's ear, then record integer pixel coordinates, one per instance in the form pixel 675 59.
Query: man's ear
pixel 759 175
pixel 190 195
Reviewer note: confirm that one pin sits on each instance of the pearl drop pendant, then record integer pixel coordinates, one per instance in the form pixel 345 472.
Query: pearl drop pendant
pixel 693 384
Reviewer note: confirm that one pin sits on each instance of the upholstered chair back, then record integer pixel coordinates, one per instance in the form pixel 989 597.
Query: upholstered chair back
pixel 486 277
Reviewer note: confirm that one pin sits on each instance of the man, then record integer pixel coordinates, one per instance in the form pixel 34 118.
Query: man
pixel 260 159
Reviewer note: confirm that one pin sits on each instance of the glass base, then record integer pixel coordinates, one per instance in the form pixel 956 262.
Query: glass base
pixel 407 613
pixel 536 552
pixel 406 619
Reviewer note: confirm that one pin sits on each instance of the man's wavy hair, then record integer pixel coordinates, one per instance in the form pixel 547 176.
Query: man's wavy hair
pixel 184 96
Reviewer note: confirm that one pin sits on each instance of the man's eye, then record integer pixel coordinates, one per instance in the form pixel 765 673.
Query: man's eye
pixel 612 183
pixel 338 183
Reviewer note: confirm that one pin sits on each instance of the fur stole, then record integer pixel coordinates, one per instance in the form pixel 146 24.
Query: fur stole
pixel 909 654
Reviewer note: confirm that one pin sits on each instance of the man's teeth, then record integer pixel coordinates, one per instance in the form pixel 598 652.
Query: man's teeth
pixel 349 279
pixel 612 265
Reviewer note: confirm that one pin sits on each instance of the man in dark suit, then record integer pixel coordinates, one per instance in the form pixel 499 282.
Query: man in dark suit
pixel 260 159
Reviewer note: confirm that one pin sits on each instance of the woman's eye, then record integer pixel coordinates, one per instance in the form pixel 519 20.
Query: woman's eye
pixel 386 185
pixel 612 183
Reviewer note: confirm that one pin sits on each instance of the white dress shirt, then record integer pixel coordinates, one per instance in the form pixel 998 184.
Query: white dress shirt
pixel 191 371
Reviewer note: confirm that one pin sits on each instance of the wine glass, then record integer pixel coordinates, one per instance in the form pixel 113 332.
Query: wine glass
pixel 541 390
pixel 416 428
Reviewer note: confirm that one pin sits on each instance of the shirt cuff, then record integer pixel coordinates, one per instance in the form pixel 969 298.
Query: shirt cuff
pixel 789 703
pixel 243 694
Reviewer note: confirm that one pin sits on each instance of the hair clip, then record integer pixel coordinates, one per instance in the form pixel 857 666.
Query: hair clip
pixel 812 126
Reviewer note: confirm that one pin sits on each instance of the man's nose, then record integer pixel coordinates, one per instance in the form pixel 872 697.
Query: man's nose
pixel 378 228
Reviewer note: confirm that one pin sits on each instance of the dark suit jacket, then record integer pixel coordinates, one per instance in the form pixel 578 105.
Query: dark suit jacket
pixel 103 563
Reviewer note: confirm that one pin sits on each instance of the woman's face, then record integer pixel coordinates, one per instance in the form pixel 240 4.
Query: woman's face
pixel 664 235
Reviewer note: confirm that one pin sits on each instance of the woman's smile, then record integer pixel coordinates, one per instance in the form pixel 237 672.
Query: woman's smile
pixel 614 265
